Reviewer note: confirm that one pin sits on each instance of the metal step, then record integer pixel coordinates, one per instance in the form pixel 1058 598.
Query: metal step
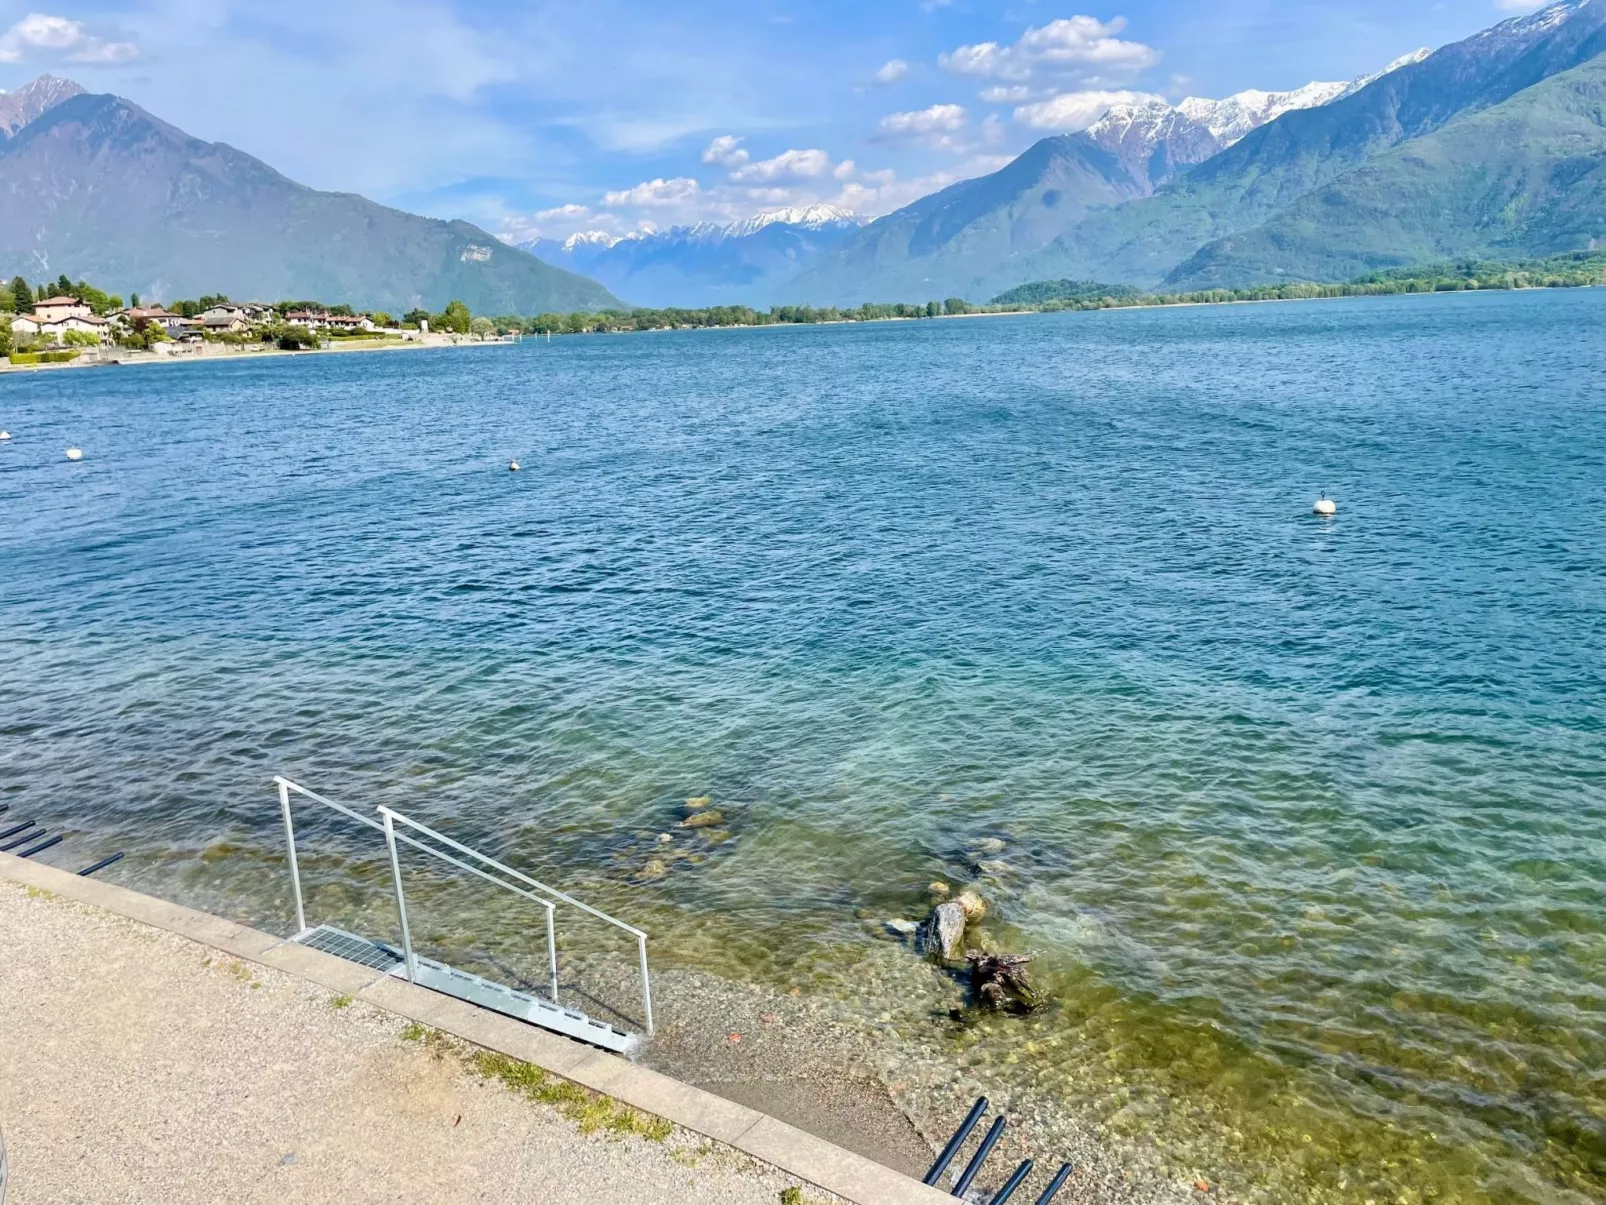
pixel 471 988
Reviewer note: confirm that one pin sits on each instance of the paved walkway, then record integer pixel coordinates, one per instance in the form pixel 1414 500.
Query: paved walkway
pixel 137 1066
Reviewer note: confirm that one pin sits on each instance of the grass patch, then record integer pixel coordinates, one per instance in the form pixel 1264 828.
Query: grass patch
pixel 591 1111
pixel 37 893
pixel 341 1001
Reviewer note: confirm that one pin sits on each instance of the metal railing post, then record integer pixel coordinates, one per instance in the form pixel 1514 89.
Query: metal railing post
pixel 295 870
pixel 401 900
pixel 552 951
pixel 646 983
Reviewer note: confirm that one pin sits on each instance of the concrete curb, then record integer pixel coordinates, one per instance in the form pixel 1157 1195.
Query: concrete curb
pixel 794 1151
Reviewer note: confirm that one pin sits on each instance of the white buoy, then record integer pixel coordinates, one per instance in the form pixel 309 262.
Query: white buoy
pixel 513 466
pixel 1325 507
pixel 75 453
pixel 4 435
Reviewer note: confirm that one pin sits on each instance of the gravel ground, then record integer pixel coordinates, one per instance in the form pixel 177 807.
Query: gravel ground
pixel 139 1067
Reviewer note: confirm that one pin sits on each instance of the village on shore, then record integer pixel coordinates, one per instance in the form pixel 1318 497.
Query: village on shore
pixel 64 322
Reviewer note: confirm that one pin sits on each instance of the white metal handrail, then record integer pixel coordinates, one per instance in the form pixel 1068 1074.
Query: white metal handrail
pixel 391 837
pixel 387 825
pixel 390 816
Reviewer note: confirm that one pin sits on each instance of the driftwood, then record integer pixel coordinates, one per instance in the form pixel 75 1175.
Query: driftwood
pixel 1000 981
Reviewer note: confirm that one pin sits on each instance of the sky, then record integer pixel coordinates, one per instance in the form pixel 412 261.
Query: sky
pixel 542 118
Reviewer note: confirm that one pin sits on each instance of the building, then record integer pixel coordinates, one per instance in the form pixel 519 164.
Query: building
pixel 52 308
pixel 222 324
pixel 36 324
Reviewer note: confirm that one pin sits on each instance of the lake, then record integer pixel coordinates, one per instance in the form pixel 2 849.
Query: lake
pixel 1305 818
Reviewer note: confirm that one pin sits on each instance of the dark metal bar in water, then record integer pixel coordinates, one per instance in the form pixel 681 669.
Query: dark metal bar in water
pixel 1054 1185
pixel 957 1141
pixel 43 845
pixel 15 829
pixel 23 840
pixel 102 864
pixel 986 1148
pixel 1011 1184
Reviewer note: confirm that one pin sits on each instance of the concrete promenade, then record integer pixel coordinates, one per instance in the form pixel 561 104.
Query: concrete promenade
pixel 152 1053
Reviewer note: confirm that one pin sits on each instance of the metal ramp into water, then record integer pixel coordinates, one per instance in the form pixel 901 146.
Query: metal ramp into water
pixel 406 963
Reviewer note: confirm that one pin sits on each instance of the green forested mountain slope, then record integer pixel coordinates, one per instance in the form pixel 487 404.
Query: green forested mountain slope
pixel 1527 177
pixel 97 188
pixel 1272 168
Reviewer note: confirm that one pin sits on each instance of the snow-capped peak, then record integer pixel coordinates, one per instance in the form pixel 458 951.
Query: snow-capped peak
pixel 810 217
pixel 1405 60
pixel 589 238
pixel 1197 127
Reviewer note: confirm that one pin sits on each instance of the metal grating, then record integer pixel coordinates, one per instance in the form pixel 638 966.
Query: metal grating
pixel 351 947
pixel 450 981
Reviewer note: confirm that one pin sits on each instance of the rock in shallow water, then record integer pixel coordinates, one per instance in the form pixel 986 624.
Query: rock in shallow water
pixel 987 846
pixel 703 819
pixel 943 930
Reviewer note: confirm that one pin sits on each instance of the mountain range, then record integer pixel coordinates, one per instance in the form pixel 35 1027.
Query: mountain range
pixel 1490 147
pixel 95 187
pixel 1442 154
pixel 742 263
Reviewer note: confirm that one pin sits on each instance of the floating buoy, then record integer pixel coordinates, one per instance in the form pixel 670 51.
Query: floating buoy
pixel 75 453
pixel 1325 507
pixel 513 466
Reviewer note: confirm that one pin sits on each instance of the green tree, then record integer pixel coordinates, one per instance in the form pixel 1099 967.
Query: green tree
pixel 380 318
pixel 212 299
pixel 957 305
pixel 482 327
pixel 133 300
pixel 455 318
pixel 5 339
pixel 21 295
pixel 80 339
pixel 63 286
pixel 415 316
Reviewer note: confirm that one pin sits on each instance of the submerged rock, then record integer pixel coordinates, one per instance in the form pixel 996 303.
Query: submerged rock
pixel 698 802
pixel 703 819
pixel 986 846
pixel 939 889
pixel 994 868
pixel 902 927
pixel 654 869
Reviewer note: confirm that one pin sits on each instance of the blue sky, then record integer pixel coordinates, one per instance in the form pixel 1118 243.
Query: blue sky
pixel 607 114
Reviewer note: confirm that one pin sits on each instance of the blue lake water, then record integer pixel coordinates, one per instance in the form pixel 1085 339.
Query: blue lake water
pixel 1307 818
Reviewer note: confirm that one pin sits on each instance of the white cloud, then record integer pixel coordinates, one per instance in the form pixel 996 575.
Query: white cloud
pixel 920 122
pixel 1077 110
pixel 40 36
pixel 891 71
pixel 656 192
pixel 1075 46
pixel 726 149
pixel 844 169
pixel 788 165
pixel 1006 94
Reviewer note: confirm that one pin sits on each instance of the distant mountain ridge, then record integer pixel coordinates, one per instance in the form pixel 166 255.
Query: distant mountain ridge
pixel 951 243
pixel 740 263
pixel 95 187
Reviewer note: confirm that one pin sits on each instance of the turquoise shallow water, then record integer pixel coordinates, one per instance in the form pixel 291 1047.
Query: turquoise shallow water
pixel 1307 817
